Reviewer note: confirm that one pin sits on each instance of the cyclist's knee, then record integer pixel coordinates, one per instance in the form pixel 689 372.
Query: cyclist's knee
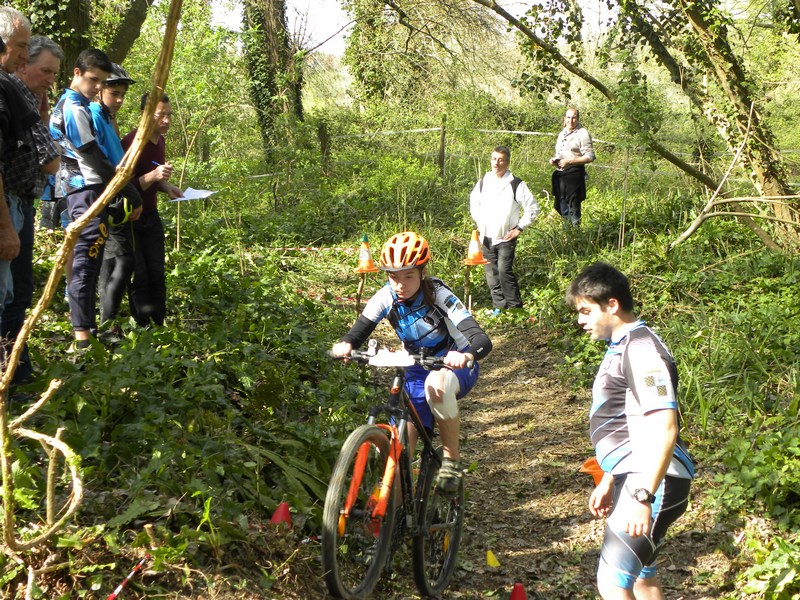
pixel 442 397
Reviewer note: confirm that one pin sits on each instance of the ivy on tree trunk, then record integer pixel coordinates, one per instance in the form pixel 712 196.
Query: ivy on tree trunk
pixel 275 68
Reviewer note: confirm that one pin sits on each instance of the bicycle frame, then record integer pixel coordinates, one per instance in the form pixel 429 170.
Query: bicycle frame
pixel 400 408
pixel 368 512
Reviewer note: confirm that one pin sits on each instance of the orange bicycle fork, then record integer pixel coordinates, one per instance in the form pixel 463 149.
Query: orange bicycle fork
pixel 379 498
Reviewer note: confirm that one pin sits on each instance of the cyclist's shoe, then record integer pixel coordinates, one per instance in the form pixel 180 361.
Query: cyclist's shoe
pixel 449 477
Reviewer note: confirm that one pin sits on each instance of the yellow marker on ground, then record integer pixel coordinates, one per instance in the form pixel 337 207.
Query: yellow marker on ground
pixel 491 559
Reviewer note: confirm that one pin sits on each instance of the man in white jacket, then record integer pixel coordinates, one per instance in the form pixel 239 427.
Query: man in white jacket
pixel 501 206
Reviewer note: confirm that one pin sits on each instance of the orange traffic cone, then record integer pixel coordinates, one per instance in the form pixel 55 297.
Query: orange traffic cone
pixel 593 468
pixel 474 254
pixel 281 515
pixel 518 593
pixel 365 262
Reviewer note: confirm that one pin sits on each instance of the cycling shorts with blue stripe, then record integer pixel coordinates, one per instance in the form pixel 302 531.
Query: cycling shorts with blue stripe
pixel 624 559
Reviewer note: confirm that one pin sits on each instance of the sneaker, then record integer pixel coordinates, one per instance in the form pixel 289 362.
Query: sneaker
pixel 78 346
pixel 112 336
pixel 449 477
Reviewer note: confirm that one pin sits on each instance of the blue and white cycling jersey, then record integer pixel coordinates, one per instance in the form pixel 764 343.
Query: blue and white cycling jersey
pixel 72 129
pixel 419 325
pixel 637 376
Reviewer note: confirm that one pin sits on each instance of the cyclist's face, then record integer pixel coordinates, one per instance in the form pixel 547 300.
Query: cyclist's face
pixel 598 322
pixel 405 283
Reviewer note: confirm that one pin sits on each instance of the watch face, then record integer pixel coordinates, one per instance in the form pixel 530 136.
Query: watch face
pixel 642 495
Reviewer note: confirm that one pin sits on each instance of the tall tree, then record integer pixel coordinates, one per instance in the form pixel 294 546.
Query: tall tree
pixel 398 51
pixel 78 24
pixel 695 41
pixel 275 66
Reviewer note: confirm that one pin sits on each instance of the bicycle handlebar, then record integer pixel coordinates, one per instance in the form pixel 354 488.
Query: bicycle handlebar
pixel 389 359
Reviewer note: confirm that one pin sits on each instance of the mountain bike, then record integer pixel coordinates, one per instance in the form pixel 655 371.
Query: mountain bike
pixel 373 503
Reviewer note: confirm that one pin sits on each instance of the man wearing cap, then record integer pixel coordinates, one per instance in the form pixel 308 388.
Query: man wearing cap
pixel 32 154
pixel 117 267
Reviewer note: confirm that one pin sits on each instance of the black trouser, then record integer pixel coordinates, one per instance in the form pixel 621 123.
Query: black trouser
pixel 13 315
pixel 116 270
pixel 86 262
pixel 148 292
pixel 569 189
pixel 499 273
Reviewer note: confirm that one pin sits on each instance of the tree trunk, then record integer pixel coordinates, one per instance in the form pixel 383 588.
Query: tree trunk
pixel 77 19
pixel 767 169
pixel 276 74
pixel 128 30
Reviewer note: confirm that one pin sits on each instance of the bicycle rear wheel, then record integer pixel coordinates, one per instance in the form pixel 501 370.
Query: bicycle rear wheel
pixel 436 540
pixel 354 543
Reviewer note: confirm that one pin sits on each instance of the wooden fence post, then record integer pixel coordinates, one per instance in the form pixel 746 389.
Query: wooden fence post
pixel 442 138
pixel 324 145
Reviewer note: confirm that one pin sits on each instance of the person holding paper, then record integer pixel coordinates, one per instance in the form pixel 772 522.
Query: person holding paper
pixel 148 291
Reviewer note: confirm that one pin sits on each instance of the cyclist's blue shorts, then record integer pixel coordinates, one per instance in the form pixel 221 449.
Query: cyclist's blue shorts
pixel 415 387
pixel 624 559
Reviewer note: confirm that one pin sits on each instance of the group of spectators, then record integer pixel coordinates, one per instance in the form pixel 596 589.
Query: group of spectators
pixel 70 157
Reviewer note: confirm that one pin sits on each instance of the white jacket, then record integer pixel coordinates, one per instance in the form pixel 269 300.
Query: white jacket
pixel 494 209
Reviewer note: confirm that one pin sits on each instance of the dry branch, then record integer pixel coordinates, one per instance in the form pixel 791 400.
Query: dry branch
pixel 11 545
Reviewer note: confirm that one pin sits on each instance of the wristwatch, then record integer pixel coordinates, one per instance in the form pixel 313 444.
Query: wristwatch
pixel 642 495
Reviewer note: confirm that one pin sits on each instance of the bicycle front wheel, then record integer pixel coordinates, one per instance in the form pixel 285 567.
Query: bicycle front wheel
pixel 355 543
pixel 438 536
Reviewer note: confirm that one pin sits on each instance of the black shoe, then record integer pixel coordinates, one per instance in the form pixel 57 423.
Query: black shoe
pixel 111 337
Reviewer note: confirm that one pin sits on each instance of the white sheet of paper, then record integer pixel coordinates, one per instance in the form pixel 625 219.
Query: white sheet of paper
pixel 193 194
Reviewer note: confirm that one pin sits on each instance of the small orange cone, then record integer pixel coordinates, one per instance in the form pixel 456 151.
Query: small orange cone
pixel 593 468
pixel 281 515
pixel 474 254
pixel 518 593
pixel 365 262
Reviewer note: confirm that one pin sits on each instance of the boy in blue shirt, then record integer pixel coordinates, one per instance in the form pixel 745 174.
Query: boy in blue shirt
pixel 117 266
pixel 85 171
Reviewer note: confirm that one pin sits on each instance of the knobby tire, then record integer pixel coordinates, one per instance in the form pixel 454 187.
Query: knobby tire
pixel 436 541
pixel 355 548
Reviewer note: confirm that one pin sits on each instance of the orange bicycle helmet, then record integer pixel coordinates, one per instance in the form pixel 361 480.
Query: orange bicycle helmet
pixel 404 251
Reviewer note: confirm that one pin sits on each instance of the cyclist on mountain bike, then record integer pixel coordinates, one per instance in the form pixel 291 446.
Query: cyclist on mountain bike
pixel 426 315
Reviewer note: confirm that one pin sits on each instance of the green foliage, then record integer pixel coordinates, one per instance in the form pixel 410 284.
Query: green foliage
pixel 764 469
pixel 553 21
pixel 775 573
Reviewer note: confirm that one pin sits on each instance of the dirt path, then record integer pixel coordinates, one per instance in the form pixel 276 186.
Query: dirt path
pixel 525 438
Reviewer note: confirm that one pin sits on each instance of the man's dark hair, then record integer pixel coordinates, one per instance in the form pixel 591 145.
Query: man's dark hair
pixel 599 282
pixel 93 59
pixel 145 96
pixel 503 150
